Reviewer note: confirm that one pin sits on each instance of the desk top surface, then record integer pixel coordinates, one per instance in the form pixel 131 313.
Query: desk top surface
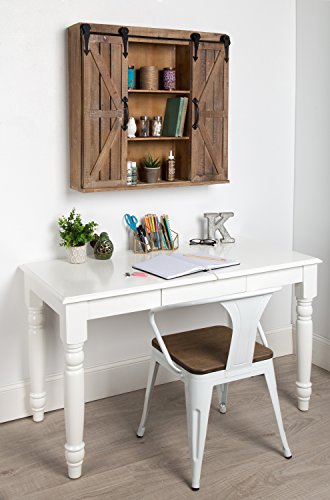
pixel 97 279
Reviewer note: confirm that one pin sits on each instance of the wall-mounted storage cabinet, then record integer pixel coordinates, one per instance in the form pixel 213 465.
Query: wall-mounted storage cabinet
pixel 100 104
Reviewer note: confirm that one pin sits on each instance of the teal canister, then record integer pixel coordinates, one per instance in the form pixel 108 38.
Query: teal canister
pixel 131 77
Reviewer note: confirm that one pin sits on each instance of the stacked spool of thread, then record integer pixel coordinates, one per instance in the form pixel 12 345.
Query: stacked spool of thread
pixel 149 78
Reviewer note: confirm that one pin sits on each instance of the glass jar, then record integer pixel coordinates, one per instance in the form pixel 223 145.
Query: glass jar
pixel 143 126
pixel 156 128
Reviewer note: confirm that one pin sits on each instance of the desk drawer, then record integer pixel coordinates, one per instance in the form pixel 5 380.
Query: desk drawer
pixel 201 291
pixel 133 302
pixel 274 278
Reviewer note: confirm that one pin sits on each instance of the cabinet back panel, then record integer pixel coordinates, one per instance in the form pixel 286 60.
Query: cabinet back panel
pixel 147 105
pixel 151 54
pixel 182 64
pixel 161 55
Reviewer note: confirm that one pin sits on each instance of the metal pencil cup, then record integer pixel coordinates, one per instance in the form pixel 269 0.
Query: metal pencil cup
pixel 139 247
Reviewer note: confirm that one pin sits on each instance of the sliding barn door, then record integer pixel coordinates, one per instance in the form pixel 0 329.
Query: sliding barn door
pixel 104 86
pixel 209 135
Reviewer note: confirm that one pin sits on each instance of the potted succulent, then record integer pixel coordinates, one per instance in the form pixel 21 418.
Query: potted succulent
pixel 75 235
pixel 151 167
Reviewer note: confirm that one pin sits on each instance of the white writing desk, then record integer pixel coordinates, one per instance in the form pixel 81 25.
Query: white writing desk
pixel 98 289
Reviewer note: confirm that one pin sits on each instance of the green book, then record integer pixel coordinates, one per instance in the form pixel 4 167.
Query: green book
pixel 183 116
pixel 172 119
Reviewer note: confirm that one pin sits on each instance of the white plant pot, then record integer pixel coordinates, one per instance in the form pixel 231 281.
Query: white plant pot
pixel 77 255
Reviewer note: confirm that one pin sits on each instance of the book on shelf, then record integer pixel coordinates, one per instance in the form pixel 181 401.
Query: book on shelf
pixel 183 116
pixel 175 114
pixel 177 264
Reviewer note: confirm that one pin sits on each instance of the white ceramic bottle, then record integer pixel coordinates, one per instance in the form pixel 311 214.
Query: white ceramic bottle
pixel 131 127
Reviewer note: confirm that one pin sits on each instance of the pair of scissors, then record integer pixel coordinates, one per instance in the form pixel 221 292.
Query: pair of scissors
pixel 131 221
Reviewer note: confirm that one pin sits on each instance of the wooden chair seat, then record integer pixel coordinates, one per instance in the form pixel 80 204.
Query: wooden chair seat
pixel 205 350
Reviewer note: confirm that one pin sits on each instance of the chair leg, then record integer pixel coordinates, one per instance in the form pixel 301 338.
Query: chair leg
pixel 153 370
pixel 198 402
pixel 222 390
pixel 271 383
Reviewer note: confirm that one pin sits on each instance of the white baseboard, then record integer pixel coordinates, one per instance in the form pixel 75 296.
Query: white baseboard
pixel 108 380
pixel 100 382
pixel 280 341
pixel 321 351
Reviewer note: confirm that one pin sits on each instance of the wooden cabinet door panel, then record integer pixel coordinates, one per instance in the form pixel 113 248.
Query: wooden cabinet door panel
pixel 104 86
pixel 209 155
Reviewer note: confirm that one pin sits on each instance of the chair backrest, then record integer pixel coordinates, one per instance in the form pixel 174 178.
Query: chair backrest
pixel 245 310
pixel 245 314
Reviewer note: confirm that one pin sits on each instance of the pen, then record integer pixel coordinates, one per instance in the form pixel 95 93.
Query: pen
pixel 164 234
pixel 152 223
pixel 143 237
pixel 147 224
pixel 168 230
pixel 157 232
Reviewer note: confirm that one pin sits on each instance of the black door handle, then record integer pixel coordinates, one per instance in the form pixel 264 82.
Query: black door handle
pixel 126 113
pixel 195 124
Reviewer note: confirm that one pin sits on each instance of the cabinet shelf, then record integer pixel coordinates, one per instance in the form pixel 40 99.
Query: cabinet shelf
pixel 172 184
pixel 173 92
pixel 162 138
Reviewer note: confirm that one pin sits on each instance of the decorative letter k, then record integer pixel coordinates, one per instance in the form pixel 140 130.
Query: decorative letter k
pixel 215 222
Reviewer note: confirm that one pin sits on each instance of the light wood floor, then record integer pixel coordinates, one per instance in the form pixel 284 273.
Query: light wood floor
pixel 242 456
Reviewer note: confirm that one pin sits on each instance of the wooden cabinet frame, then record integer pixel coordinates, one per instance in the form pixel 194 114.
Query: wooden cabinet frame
pixel 99 56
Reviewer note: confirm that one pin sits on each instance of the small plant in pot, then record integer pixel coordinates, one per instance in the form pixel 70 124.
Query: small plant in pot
pixel 151 168
pixel 75 235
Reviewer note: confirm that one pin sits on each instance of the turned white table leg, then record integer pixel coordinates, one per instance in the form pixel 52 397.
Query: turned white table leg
pixel 36 356
pixel 74 408
pixel 305 292
pixel 73 326
pixel 304 352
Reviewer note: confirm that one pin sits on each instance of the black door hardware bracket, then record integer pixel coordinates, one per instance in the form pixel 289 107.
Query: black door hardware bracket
pixel 195 37
pixel 123 31
pixel 225 39
pixel 85 30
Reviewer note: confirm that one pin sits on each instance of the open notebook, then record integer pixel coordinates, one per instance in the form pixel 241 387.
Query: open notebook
pixel 175 265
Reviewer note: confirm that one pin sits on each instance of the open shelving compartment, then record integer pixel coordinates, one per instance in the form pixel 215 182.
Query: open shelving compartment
pixel 162 54
pixel 100 104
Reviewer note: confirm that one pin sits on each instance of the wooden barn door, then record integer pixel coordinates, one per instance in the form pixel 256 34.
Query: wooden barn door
pixel 209 135
pixel 104 86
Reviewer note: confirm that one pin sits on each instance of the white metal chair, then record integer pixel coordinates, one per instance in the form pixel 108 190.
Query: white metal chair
pixel 214 356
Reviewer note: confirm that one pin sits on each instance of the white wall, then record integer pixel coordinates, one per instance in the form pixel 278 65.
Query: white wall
pixel 35 165
pixel 312 170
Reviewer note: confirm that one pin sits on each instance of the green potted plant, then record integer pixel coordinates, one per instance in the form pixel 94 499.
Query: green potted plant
pixel 151 168
pixel 75 235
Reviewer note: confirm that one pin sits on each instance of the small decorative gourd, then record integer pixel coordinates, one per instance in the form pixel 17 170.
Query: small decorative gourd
pixel 103 246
